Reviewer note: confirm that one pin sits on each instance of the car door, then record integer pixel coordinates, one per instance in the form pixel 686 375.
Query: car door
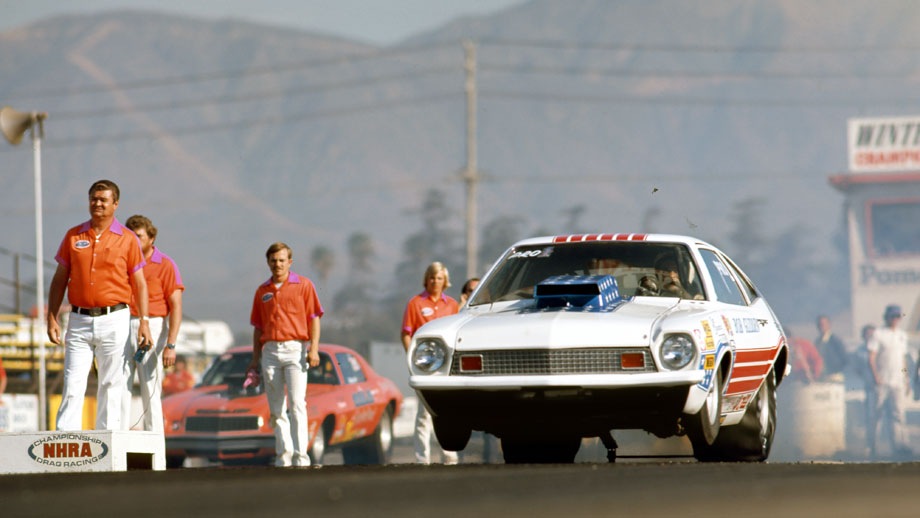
pixel 751 325
pixel 361 417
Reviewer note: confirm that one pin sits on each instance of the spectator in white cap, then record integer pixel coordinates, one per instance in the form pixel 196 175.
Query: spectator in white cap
pixel 888 359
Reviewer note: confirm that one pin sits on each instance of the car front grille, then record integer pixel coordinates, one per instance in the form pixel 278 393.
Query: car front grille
pixel 552 361
pixel 222 423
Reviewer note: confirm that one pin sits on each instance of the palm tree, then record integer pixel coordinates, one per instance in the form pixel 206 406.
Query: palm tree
pixel 323 261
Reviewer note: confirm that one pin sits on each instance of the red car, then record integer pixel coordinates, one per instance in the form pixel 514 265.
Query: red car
pixel 349 406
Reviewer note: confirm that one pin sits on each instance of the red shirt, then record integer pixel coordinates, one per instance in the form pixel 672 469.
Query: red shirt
pixel 100 267
pixel 805 360
pixel 163 279
pixel 285 313
pixel 178 381
pixel 421 309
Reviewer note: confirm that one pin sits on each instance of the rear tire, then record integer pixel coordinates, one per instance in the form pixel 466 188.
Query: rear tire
pixel 318 449
pixel 375 449
pixel 752 438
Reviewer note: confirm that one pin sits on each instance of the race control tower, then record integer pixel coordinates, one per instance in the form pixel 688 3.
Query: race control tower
pixel 882 189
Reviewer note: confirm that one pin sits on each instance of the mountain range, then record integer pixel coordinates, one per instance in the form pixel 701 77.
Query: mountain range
pixel 591 115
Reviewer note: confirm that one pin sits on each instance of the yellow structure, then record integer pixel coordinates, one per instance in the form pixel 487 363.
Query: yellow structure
pixel 19 346
pixel 89 411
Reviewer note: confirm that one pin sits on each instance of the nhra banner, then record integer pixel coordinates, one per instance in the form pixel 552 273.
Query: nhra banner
pixel 81 450
pixel 884 144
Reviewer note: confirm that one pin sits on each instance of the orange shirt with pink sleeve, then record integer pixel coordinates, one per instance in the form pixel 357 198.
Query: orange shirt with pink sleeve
pixel 100 267
pixel 285 313
pixel 163 278
pixel 421 309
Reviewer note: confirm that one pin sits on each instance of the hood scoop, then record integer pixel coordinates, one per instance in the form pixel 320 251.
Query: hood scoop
pixel 578 292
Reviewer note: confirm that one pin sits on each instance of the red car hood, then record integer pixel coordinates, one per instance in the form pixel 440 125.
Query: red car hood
pixel 216 400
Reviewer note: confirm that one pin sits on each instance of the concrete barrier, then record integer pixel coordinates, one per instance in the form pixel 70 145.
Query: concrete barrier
pixel 79 451
pixel 811 422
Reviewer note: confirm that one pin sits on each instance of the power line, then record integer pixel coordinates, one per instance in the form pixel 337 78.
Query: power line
pixel 406 50
pixel 314 89
pixel 224 126
pixel 433 71
pixel 152 82
pixel 497 68
pixel 254 96
pixel 446 96
pixel 684 48
pixel 691 101
pixel 694 74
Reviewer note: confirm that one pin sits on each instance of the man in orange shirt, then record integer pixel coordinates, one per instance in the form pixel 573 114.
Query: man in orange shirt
pixel 285 340
pixel 428 305
pixel 97 262
pixel 180 379
pixel 164 290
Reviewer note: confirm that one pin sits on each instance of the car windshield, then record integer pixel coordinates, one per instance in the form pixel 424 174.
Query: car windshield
pixel 230 367
pixel 640 268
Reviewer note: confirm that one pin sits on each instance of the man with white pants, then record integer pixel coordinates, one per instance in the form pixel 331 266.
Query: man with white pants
pixel 97 262
pixel 164 291
pixel 888 359
pixel 428 305
pixel 285 341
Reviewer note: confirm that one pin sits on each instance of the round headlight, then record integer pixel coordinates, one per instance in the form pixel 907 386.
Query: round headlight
pixel 677 351
pixel 429 355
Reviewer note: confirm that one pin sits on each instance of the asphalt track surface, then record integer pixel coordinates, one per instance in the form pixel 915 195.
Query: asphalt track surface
pixel 407 490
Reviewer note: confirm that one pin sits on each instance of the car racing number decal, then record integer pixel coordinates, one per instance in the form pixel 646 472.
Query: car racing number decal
pixel 362 397
pixel 362 421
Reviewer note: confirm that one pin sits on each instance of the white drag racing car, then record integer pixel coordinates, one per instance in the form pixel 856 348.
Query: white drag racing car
pixel 574 336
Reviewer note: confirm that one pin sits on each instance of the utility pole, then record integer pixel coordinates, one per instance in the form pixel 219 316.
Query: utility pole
pixel 471 172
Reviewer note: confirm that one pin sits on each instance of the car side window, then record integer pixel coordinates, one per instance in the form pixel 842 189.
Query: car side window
pixel 324 373
pixel 351 368
pixel 749 290
pixel 726 289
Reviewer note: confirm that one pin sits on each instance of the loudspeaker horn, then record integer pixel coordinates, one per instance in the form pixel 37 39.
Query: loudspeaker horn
pixel 14 124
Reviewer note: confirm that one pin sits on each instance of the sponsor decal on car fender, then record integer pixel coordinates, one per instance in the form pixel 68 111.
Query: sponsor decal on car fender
pixel 707 336
pixel 709 362
pixel 717 334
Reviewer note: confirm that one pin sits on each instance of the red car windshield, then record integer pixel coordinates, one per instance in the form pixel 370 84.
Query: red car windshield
pixel 232 366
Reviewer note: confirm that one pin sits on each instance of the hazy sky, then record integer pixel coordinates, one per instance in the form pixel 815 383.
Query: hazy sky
pixel 371 21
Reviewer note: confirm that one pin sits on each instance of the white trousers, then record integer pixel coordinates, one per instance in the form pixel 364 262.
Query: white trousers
pixel 103 337
pixel 890 402
pixel 284 366
pixel 149 377
pixel 423 428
